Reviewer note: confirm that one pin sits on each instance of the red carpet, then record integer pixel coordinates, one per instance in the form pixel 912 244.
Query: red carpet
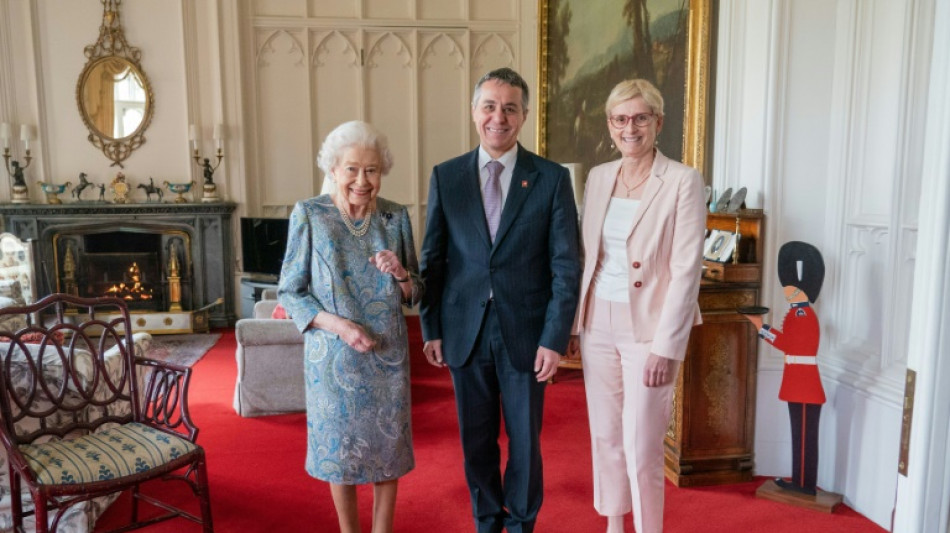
pixel 258 483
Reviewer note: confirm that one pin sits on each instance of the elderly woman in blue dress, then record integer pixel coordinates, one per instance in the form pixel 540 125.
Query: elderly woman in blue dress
pixel 350 266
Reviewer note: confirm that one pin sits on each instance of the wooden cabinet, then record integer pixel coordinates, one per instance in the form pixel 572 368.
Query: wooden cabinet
pixel 712 430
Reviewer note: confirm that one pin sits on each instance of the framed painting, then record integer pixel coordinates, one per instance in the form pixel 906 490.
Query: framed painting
pixel 587 48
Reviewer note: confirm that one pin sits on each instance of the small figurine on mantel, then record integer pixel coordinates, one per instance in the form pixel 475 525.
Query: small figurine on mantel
pixel 151 189
pixel 120 189
pixel 21 193
pixel 102 192
pixel 801 271
pixel 81 186
pixel 18 179
pixel 209 191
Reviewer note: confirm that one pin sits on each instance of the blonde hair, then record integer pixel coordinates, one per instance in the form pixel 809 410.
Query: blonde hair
pixel 630 89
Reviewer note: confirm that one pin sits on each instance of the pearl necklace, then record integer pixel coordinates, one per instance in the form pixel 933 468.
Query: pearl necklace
pixel 356 231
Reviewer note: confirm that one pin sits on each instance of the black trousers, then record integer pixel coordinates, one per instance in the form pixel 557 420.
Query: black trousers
pixel 487 388
pixel 804 418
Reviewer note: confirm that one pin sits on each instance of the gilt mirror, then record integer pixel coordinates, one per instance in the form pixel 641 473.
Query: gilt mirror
pixel 114 96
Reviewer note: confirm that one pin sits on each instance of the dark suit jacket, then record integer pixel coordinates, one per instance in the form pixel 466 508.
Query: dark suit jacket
pixel 533 266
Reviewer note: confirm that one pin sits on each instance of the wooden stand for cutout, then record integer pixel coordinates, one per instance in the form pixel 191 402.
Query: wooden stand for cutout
pixel 824 502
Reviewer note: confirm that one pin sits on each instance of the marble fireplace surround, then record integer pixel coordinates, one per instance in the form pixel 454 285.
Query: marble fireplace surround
pixel 207 226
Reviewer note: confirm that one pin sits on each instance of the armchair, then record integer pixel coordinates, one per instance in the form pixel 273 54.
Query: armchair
pixel 270 364
pixel 16 278
pixel 80 420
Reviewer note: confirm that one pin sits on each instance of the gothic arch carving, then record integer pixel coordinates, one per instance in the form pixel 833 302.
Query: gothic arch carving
pixel 402 50
pixel 430 50
pixel 323 49
pixel 268 48
pixel 493 45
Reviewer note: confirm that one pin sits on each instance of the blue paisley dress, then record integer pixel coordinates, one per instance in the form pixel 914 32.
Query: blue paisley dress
pixel 358 408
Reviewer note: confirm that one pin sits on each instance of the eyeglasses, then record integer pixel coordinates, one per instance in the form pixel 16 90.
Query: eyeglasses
pixel 620 121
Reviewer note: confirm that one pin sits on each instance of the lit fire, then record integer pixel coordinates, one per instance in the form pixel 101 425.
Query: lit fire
pixel 133 290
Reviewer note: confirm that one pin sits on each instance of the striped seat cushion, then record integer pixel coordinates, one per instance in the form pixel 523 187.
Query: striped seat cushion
pixel 112 453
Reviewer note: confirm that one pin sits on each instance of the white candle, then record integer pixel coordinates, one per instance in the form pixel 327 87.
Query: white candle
pixel 5 134
pixel 218 135
pixel 25 135
pixel 193 136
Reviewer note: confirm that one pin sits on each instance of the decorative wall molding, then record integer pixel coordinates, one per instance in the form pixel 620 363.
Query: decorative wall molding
pixel 430 50
pixel 323 48
pixel 266 48
pixel 376 49
pixel 491 45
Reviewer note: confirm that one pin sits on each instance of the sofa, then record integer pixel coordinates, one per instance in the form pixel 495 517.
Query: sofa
pixel 269 363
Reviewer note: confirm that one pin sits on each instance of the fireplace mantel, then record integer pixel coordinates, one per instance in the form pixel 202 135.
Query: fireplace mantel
pixel 207 224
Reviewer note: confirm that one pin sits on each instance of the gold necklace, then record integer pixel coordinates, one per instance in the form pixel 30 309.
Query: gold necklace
pixel 635 187
pixel 356 231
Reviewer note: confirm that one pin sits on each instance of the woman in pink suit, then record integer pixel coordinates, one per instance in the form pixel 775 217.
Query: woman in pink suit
pixel 643 226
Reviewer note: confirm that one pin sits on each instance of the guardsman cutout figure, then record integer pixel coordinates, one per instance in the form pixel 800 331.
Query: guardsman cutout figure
pixel 801 272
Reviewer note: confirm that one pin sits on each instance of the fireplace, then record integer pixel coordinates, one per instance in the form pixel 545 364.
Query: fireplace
pixel 142 264
pixel 160 258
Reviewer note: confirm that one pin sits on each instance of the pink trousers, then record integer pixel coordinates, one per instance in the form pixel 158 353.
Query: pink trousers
pixel 627 419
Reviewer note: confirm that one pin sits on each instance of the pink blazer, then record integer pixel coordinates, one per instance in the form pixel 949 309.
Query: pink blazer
pixel 664 250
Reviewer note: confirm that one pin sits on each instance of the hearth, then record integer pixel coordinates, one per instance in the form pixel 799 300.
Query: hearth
pixel 138 263
pixel 162 259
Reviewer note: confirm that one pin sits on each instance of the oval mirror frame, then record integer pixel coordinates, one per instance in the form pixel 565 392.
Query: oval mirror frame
pixel 109 56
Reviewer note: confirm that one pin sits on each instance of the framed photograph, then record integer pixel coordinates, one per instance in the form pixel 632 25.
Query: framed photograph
pixel 719 246
pixel 587 48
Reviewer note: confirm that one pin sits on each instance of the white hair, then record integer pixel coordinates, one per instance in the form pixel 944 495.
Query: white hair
pixel 354 133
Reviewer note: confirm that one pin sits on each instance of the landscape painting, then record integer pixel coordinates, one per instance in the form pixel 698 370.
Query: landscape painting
pixel 588 47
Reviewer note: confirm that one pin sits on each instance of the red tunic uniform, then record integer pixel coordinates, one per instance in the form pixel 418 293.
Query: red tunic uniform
pixel 798 338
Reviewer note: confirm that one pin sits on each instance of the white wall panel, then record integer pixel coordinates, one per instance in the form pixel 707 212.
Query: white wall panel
pixel 878 79
pixel 441 9
pixel 280 8
pixel 493 9
pixel 285 162
pixel 443 93
pixel 390 89
pixel 337 84
pixel 334 8
pixel 389 9
pixel 858 331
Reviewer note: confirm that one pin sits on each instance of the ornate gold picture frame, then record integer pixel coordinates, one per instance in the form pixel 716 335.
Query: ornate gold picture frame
pixel 116 119
pixel 585 49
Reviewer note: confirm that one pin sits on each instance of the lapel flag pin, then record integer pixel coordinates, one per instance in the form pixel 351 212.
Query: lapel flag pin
pixel 524 184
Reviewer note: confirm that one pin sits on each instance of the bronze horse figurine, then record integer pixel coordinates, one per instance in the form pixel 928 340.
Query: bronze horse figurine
pixel 81 186
pixel 151 189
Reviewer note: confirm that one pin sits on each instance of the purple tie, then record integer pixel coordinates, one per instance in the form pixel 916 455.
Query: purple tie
pixel 491 196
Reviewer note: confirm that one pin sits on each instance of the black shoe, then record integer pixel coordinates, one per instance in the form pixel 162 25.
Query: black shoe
pixel 788 485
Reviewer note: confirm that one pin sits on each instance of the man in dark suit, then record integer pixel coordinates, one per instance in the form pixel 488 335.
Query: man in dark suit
pixel 501 266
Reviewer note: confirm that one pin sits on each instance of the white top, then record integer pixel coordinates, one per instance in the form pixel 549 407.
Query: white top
pixel 612 276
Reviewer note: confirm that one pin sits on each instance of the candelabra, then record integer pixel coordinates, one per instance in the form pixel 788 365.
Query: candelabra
pixel 20 192
pixel 209 191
